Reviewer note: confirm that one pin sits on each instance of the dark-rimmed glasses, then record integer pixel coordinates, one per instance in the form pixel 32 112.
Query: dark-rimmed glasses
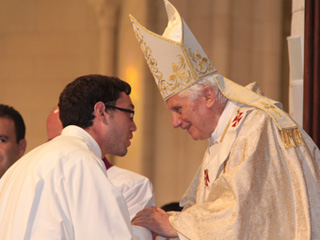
pixel 131 112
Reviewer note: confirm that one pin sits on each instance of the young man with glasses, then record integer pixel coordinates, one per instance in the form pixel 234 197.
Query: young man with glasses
pixel 136 189
pixel 60 190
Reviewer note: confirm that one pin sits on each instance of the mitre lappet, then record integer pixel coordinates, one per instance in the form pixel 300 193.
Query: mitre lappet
pixel 177 61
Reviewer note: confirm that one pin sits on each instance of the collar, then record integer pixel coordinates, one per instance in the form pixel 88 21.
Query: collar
pixel 78 132
pixel 223 122
pixel 107 163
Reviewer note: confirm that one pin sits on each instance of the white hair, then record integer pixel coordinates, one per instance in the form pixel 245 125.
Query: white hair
pixel 194 91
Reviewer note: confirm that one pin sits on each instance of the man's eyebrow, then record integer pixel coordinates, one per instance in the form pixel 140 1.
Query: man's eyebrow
pixel 176 108
pixel 4 136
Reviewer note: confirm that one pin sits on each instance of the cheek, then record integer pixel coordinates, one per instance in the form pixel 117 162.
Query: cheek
pixel 8 154
pixel 4 149
pixel 121 131
pixel 198 121
pixel 13 151
pixel 196 114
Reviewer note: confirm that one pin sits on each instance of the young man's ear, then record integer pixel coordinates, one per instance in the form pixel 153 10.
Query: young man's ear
pixel 99 111
pixel 208 95
pixel 22 146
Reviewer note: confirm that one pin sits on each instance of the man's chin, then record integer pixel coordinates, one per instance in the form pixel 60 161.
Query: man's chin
pixel 125 151
pixel 121 153
pixel 194 136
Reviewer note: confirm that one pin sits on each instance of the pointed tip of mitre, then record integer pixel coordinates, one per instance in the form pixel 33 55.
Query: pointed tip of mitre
pixel 173 30
pixel 132 19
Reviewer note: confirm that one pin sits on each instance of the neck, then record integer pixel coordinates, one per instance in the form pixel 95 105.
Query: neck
pixel 217 110
pixel 97 137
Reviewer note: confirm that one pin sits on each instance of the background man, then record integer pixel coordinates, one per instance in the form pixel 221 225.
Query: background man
pixel 60 190
pixel 260 176
pixel 53 125
pixel 12 137
pixel 136 189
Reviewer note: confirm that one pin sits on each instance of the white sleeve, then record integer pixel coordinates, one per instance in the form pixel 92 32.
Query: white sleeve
pixel 136 189
pixel 141 233
pixel 139 196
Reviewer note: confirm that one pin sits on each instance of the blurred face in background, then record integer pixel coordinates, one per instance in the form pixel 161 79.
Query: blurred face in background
pixel 10 149
pixel 54 124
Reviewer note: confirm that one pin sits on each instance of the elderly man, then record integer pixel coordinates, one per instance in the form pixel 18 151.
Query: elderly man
pixel 260 176
pixel 60 190
pixel 136 189
pixel 12 137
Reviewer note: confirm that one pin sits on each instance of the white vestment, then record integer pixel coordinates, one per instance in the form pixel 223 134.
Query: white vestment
pixel 250 186
pixel 136 189
pixel 60 190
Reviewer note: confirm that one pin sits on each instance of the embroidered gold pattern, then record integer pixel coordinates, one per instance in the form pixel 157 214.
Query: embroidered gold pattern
pixel 147 53
pixel 180 76
pixel 202 64
pixel 271 107
pixel 292 137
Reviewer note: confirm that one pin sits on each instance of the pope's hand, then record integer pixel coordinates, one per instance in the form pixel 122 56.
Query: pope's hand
pixel 157 220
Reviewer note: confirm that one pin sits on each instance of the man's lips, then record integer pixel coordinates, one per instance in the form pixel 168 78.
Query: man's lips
pixel 187 128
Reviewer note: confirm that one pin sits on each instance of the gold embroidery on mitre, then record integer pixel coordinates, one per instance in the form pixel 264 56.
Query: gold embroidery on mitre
pixel 147 53
pixel 180 77
pixel 202 64
pixel 271 107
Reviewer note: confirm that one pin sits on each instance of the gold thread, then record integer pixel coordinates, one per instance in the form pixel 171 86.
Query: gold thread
pixel 180 77
pixel 254 104
pixel 193 73
pixel 201 64
pixel 292 137
pixel 184 72
pixel 271 107
pixel 225 130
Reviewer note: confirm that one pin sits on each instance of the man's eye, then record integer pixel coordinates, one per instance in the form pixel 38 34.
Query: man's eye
pixel 3 140
pixel 177 110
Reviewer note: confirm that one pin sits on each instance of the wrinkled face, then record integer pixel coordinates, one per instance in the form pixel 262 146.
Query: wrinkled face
pixel 121 127
pixel 10 150
pixel 190 115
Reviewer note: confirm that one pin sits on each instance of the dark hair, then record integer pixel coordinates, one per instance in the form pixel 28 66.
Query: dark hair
pixel 9 112
pixel 77 100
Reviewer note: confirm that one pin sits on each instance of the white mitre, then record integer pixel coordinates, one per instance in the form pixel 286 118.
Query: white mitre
pixel 177 60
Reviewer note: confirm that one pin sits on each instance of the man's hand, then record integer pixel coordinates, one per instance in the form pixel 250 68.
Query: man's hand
pixel 157 220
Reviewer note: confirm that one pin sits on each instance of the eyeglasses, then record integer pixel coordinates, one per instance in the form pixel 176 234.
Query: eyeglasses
pixel 131 112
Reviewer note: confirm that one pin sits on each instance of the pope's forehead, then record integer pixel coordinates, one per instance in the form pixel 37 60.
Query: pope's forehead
pixel 176 100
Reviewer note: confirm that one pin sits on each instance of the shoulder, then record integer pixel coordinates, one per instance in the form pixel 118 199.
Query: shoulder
pixel 256 120
pixel 257 129
pixel 63 155
pixel 120 176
